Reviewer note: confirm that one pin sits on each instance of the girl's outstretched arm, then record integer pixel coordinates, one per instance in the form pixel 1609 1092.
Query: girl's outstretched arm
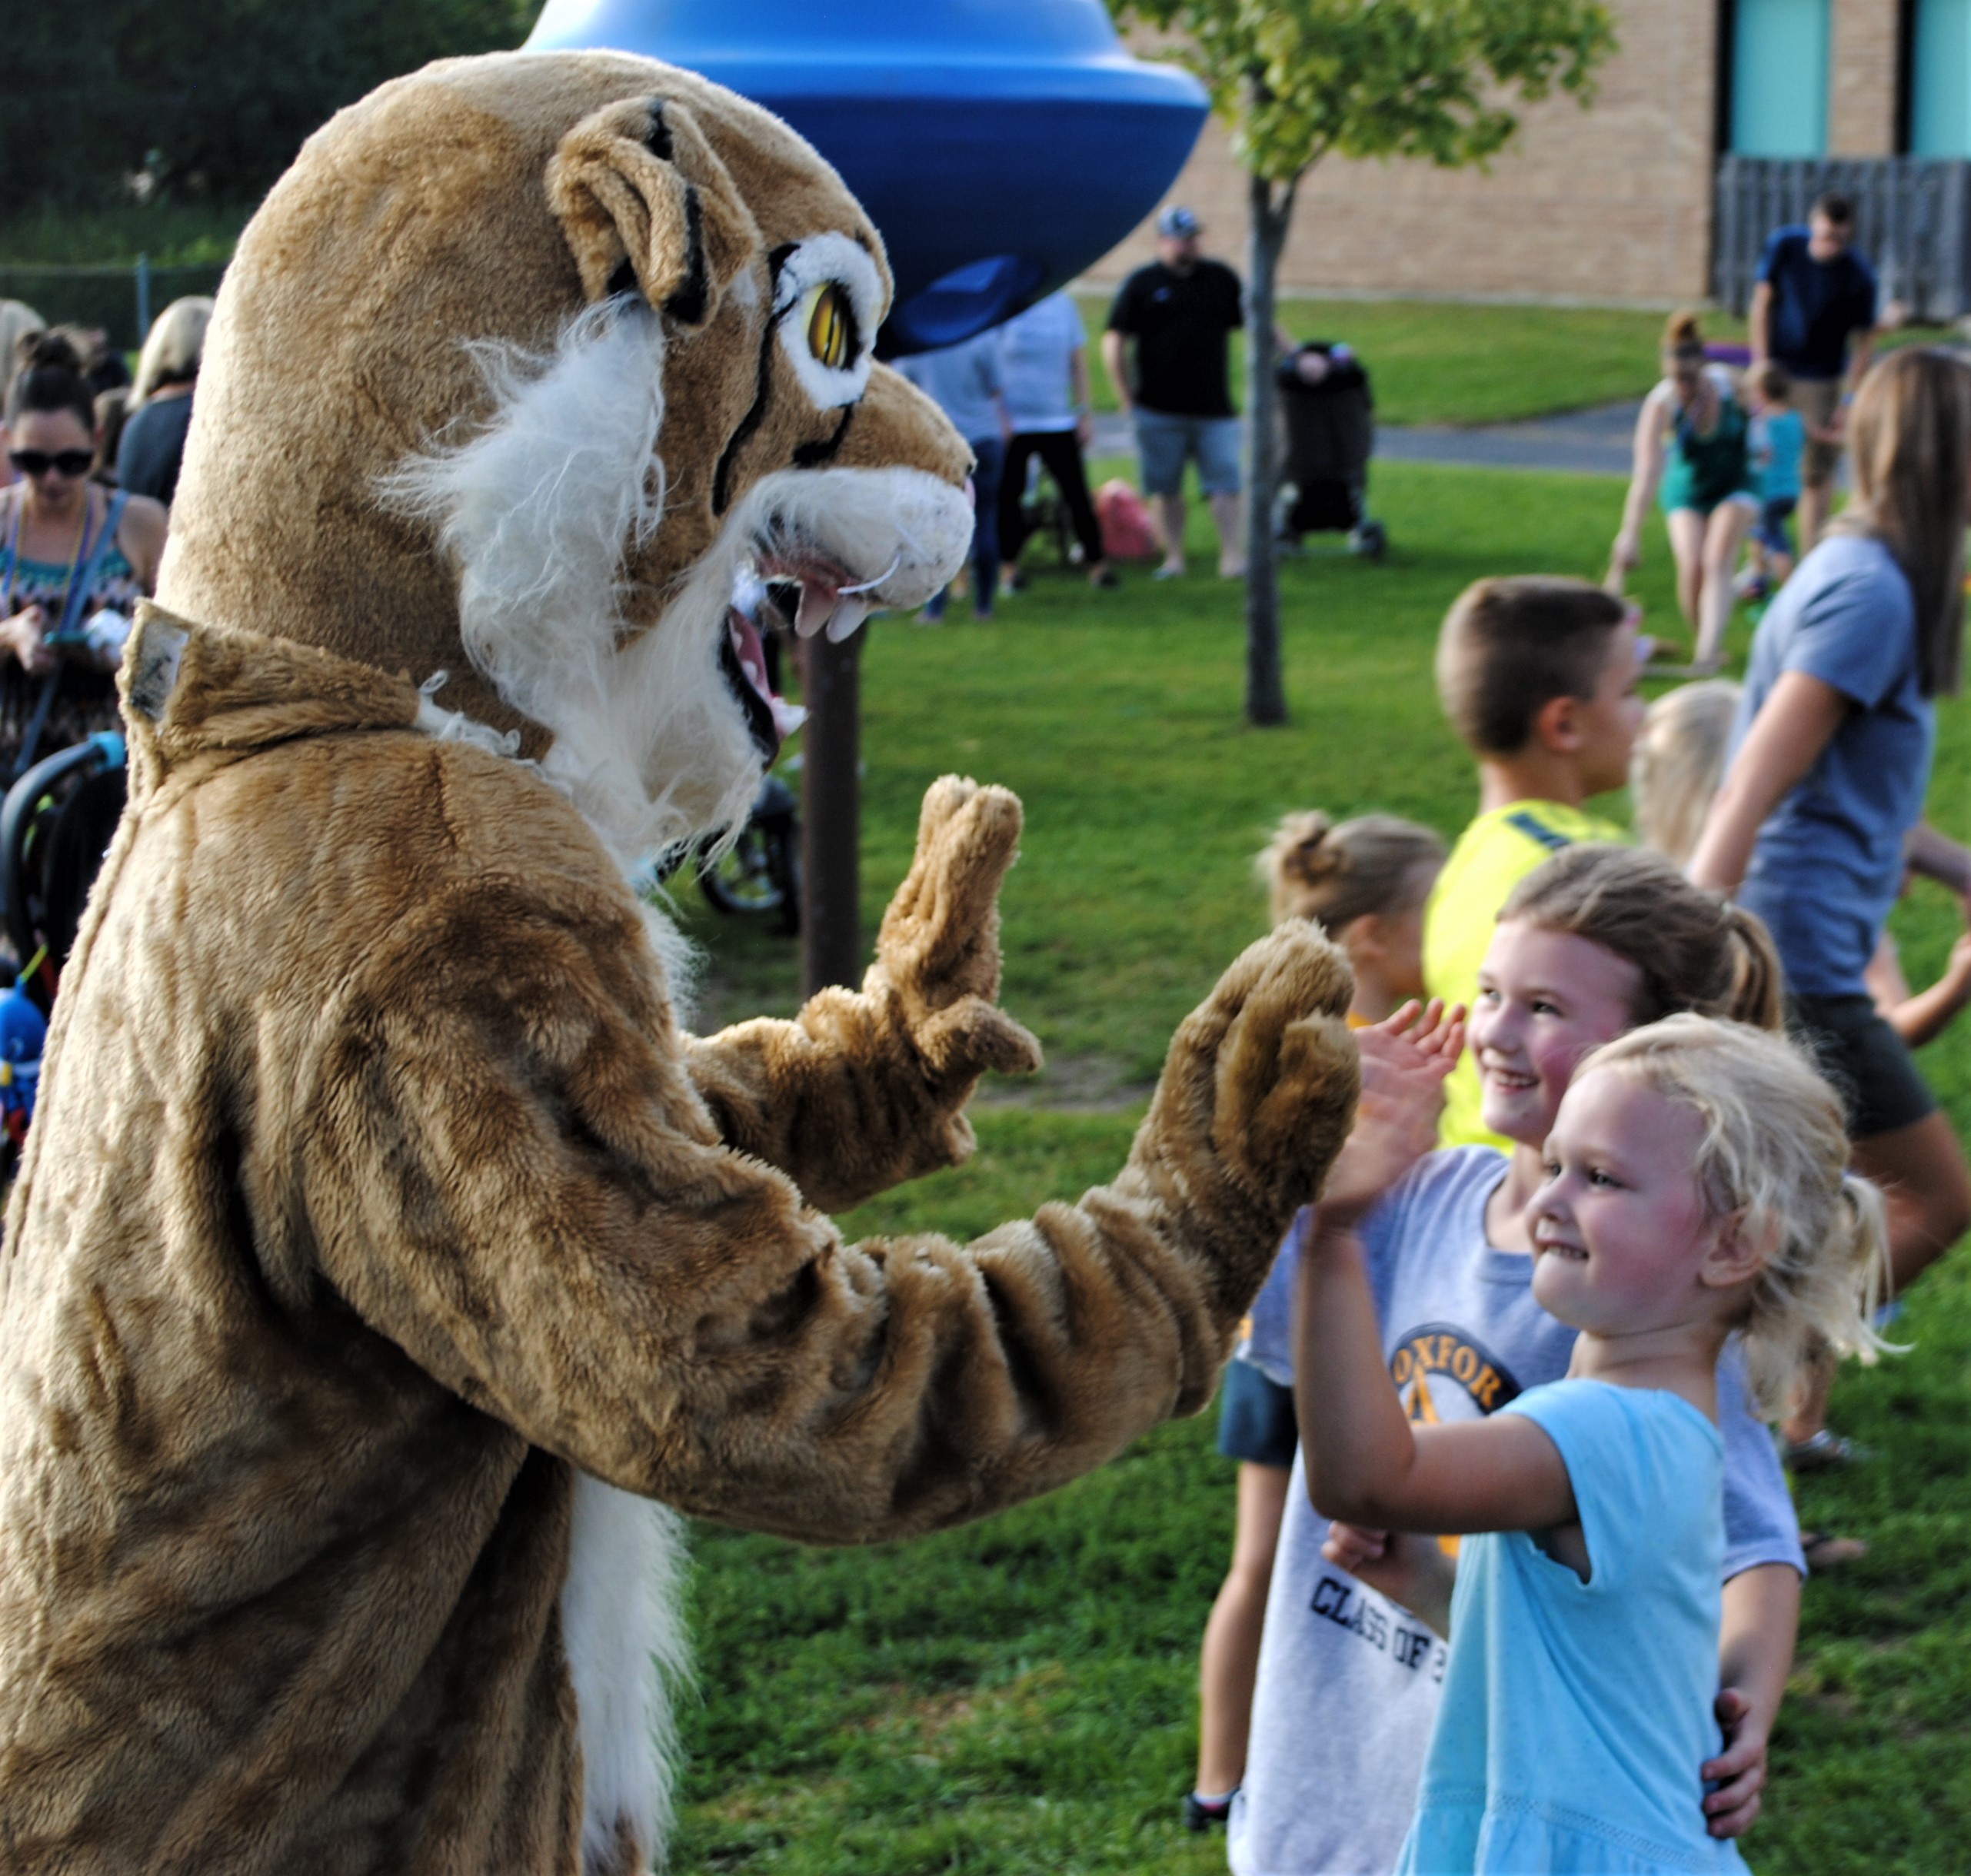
pixel 1366 1464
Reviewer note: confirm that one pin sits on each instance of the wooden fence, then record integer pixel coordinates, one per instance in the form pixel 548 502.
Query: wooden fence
pixel 1913 221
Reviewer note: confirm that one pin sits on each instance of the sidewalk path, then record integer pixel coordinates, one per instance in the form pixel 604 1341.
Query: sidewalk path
pixel 1596 442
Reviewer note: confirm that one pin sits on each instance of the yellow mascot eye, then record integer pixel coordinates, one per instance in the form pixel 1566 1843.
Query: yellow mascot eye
pixel 831 326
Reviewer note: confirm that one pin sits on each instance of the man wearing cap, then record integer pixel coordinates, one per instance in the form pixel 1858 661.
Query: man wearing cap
pixel 1181 309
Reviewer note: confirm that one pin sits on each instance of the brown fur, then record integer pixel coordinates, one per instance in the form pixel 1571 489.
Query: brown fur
pixel 375 1193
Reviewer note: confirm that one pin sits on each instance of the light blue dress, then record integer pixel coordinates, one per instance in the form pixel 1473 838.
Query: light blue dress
pixel 1576 1715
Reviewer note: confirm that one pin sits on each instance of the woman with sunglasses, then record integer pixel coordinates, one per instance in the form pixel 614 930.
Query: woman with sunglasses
pixel 75 558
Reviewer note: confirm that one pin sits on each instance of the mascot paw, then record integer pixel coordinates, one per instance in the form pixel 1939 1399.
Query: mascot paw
pixel 1259 1092
pixel 937 954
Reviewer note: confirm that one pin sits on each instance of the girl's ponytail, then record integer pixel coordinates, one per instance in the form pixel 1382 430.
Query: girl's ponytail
pixel 1695 950
pixel 1758 990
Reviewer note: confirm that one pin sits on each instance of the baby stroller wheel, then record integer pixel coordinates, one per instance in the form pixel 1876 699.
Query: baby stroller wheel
pixel 1371 540
pixel 760 874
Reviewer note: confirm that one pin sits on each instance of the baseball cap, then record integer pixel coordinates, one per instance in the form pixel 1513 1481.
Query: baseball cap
pixel 1177 222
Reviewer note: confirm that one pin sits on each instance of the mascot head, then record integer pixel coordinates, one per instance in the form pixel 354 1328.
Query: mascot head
pixel 528 368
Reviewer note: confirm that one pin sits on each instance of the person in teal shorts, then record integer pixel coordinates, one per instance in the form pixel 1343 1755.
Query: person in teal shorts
pixel 1693 445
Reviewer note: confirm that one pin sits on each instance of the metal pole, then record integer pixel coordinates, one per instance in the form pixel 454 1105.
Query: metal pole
pixel 831 948
pixel 143 297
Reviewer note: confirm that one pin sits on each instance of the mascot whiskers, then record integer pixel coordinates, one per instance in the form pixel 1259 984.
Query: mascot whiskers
pixel 389 1268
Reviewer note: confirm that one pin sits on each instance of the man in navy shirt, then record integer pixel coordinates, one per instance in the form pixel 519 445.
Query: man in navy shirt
pixel 1180 311
pixel 1813 312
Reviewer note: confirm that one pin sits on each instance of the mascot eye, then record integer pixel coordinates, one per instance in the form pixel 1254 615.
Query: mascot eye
pixel 831 326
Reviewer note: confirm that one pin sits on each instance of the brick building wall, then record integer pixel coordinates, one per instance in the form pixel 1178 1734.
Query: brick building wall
pixel 1861 103
pixel 1610 204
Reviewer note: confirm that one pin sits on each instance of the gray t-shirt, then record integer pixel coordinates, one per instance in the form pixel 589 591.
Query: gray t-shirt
pixel 1348 1682
pixel 1829 861
pixel 963 380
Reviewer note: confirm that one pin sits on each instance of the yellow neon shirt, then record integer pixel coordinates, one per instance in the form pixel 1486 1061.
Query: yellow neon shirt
pixel 1492 855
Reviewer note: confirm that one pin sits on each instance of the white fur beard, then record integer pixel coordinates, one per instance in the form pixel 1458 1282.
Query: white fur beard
pixel 624 1629
pixel 539 511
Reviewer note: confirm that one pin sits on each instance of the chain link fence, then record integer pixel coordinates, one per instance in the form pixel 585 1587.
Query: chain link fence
pixel 122 300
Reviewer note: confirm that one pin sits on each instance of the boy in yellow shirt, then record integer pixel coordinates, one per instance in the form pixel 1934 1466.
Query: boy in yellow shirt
pixel 1540 677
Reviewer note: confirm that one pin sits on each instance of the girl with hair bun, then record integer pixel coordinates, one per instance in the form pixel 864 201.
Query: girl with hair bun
pixel 1694 1190
pixel 75 558
pixel 1692 444
pixel 1366 880
pixel 1598 942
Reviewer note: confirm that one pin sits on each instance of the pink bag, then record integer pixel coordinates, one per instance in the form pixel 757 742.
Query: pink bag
pixel 1128 532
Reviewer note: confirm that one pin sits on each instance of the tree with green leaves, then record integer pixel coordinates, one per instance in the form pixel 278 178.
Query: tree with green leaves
pixel 1298 80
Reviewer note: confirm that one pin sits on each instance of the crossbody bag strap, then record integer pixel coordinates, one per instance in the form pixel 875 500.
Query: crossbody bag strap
pixel 84 580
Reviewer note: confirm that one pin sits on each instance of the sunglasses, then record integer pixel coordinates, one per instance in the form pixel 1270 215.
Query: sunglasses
pixel 70 463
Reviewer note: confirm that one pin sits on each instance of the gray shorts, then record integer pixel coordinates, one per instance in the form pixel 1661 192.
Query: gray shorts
pixel 1163 442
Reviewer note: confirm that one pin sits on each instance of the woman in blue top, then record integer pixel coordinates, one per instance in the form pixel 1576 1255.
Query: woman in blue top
pixel 1695 1189
pixel 1821 804
pixel 75 559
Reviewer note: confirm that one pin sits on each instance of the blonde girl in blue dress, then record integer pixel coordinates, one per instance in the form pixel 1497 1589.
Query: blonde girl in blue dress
pixel 1696 1187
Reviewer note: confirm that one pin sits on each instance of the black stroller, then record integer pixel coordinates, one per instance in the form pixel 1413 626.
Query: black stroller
pixel 1329 412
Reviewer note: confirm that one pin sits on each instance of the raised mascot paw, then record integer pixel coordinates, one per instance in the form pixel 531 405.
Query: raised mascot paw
pixel 1255 1098
pixel 938 953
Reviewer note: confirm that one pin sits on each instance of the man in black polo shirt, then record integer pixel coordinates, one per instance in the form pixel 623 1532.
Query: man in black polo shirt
pixel 1813 312
pixel 1179 311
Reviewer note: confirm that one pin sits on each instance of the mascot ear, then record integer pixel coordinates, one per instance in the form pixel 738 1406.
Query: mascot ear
pixel 646 204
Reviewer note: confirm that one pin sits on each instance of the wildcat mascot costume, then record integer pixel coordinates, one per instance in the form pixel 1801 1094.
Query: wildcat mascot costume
pixel 389 1268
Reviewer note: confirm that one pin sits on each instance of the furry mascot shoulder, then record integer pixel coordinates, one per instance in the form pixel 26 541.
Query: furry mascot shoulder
pixel 389 1268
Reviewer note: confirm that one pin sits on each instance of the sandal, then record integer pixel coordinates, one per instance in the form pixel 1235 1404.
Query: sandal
pixel 1824 1551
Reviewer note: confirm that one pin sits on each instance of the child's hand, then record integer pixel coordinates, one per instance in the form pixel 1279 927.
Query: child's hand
pixel 1739 1772
pixel 1354 1547
pixel 1404 1062
pixel 1408 1568
pixel 1957 973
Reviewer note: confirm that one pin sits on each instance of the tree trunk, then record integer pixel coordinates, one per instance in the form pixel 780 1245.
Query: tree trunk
pixel 1272 207
pixel 831 949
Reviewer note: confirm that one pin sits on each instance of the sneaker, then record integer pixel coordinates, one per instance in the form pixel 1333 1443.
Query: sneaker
pixel 1206 1814
pixel 1166 571
pixel 1825 1452
pixel 1751 584
pixel 1106 577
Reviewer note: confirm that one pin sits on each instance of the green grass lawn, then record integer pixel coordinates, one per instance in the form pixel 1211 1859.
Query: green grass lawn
pixel 1018 1696
pixel 1433 362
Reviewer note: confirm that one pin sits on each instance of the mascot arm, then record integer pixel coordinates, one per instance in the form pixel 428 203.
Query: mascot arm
pixel 509 1177
pixel 864 1089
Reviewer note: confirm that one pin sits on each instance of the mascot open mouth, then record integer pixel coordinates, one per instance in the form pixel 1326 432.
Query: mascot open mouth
pixel 771 719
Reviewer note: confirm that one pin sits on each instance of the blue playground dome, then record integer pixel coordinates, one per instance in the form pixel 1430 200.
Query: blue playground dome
pixel 1000 145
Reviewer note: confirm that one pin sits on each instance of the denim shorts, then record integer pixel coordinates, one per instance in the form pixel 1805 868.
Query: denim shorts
pixel 1163 442
pixel 1256 1420
pixel 1774 513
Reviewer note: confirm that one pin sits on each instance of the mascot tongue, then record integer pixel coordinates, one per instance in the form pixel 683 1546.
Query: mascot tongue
pixel 750 655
